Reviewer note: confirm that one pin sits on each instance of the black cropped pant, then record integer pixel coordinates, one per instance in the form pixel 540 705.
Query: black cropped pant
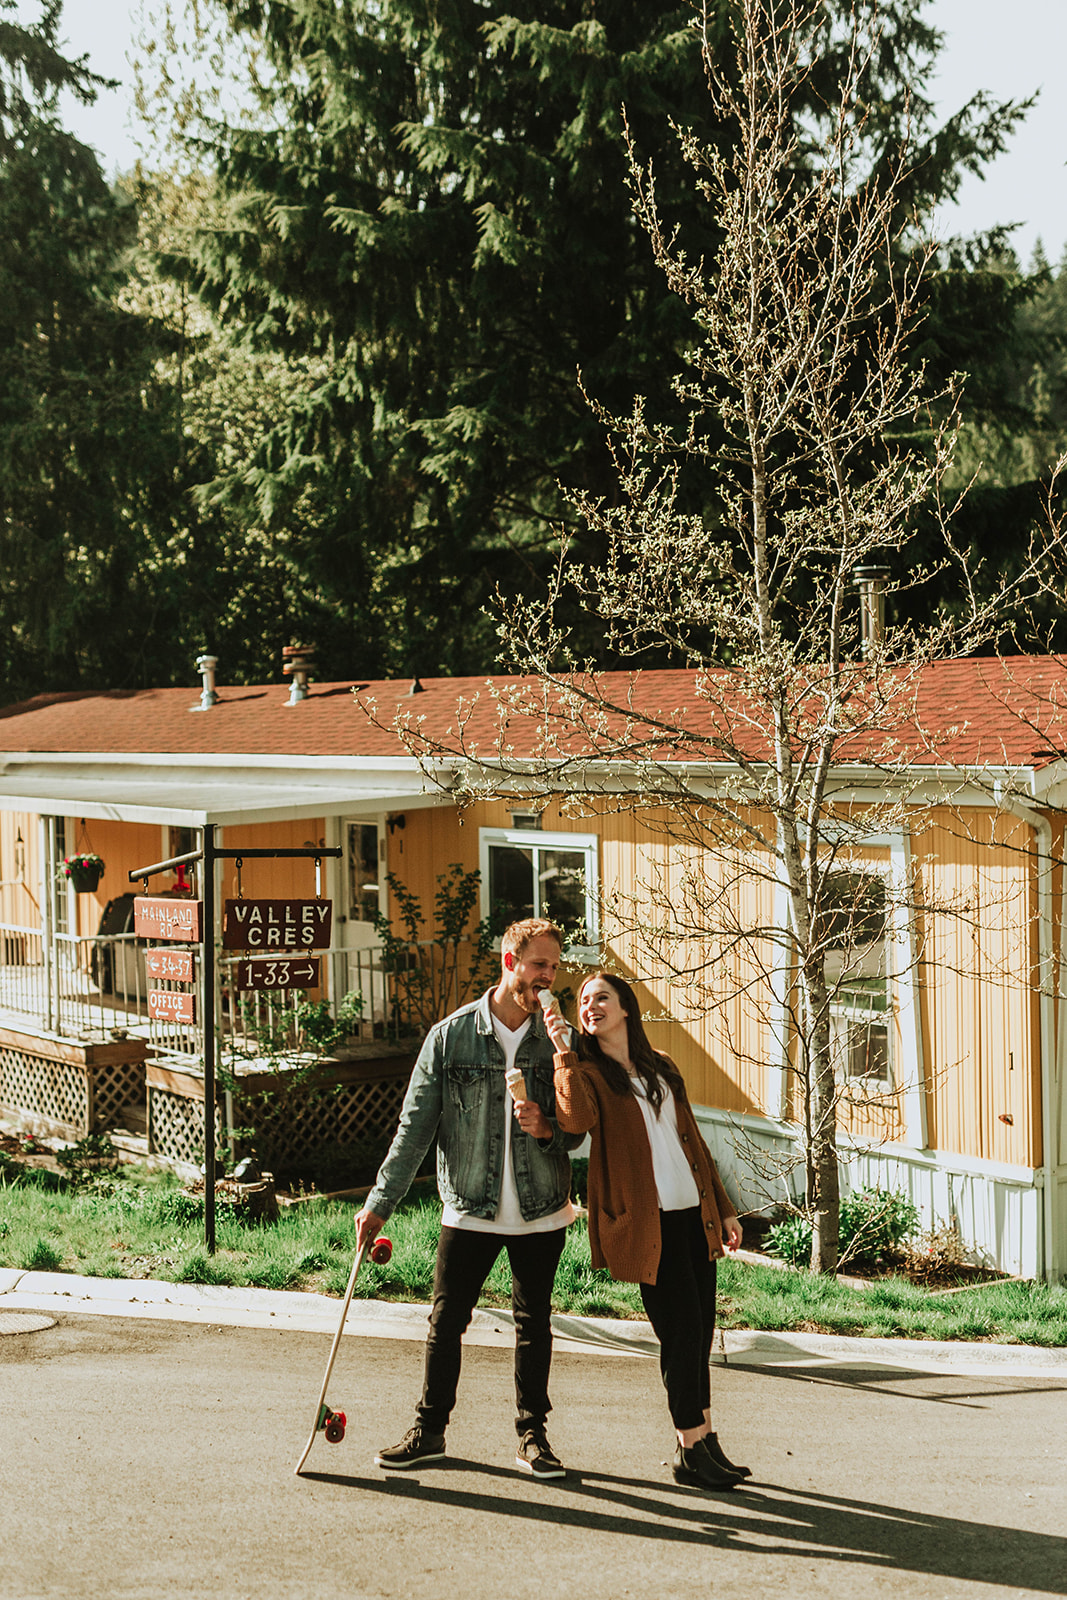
pixel 681 1308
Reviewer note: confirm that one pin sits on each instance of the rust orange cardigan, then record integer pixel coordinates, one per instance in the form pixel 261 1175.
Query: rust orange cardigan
pixel 624 1233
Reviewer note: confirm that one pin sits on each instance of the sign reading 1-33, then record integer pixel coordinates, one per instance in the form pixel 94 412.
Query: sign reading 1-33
pixel 278 972
pixel 277 924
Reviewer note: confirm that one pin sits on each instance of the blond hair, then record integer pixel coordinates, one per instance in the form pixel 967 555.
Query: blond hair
pixel 520 934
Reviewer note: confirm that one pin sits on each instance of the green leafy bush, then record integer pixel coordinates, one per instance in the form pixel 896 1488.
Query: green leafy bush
pixel 874 1224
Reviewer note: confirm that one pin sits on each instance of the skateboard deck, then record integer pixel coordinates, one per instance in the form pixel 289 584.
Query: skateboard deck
pixel 333 1423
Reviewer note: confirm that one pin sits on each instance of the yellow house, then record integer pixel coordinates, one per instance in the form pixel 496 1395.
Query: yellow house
pixel 951 1075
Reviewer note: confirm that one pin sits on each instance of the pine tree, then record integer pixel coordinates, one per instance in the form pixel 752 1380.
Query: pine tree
pixel 85 442
pixel 437 210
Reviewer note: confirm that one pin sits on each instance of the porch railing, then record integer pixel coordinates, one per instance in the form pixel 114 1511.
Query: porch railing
pixel 86 986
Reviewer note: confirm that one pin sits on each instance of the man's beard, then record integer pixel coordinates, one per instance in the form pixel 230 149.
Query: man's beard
pixel 525 997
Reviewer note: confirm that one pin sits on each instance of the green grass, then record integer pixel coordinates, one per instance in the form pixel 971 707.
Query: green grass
pixel 142 1225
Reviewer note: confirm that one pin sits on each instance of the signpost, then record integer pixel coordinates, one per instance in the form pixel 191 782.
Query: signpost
pixel 278 972
pixel 305 926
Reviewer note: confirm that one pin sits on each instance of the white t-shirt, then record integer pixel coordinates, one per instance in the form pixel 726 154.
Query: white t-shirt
pixel 676 1186
pixel 509 1218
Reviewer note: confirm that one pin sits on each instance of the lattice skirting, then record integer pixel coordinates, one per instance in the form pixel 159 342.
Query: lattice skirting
pixel 307 1120
pixel 176 1126
pixel 67 1099
pixel 351 1113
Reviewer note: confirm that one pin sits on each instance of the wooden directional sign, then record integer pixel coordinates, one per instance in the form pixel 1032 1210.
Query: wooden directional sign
pixel 172 1005
pixel 176 966
pixel 160 917
pixel 278 972
pixel 276 924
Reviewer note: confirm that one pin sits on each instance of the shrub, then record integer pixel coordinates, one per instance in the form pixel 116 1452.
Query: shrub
pixel 874 1224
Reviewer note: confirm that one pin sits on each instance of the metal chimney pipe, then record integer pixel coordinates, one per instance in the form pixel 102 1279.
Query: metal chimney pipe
pixel 871 582
pixel 297 663
pixel 206 665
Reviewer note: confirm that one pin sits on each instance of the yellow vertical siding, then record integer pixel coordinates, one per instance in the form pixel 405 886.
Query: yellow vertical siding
pixel 977 990
pixel 979 986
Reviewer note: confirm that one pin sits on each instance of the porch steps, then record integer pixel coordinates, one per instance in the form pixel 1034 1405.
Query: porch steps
pixel 130 1133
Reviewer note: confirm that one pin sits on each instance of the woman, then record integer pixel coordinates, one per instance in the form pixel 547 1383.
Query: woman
pixel 658 1212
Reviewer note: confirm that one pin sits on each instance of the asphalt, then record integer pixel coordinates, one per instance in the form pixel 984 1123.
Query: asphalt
pixel 149 1432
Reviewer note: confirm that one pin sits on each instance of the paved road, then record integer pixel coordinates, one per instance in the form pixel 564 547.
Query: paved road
pixel 146 1459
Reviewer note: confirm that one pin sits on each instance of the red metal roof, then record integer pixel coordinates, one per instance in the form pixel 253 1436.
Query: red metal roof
pixel 984 710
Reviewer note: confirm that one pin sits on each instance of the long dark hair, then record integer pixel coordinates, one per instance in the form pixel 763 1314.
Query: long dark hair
pixel 656 1071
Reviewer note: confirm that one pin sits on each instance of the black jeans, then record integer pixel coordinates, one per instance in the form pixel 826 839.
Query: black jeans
pixel 464 1261
pixel 681 1308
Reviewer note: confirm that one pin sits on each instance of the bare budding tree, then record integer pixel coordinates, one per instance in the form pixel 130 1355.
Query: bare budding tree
pixel 811 452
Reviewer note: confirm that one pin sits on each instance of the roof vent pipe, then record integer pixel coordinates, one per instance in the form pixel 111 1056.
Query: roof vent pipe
pixel 871 582
pixel 297 663
pixel 206 665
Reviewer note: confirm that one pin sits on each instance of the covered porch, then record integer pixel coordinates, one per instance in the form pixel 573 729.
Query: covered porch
pixel 79 1050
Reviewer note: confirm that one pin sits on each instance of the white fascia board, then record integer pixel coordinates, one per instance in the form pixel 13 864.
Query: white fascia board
pixel 227 761
pixel 231 807
pixel 856 785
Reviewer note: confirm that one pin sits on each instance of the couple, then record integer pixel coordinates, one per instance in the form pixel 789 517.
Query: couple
pixel 658 1213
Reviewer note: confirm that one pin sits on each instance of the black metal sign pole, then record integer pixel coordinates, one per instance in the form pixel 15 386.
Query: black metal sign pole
pixel 208 854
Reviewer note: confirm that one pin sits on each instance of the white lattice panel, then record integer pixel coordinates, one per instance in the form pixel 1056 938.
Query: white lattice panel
pixel 313 1120
pixel 115 1086
pixel 176 1126
pixel 56 1091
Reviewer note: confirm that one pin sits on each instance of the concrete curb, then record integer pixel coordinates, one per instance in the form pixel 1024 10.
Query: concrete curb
pixel 59 1292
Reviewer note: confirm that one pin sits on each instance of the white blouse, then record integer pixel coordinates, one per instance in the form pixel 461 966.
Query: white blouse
pixel 676 1185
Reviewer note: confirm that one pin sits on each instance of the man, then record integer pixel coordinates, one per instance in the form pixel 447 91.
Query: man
pixel 503 1172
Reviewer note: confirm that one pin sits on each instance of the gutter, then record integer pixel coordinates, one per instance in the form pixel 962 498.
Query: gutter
pixel 1047 1170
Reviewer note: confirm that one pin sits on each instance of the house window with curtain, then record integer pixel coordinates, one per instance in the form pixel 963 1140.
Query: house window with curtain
pixel 527 873
pixel 855 938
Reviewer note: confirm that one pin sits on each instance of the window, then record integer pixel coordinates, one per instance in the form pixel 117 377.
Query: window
pixel 854 934
pixel 363 872
pixel 533 874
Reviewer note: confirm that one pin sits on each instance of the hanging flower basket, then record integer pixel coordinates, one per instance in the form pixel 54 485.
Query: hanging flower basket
pixel 84 872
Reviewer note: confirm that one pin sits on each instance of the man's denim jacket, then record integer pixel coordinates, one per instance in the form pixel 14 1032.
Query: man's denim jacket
pixel 457 1091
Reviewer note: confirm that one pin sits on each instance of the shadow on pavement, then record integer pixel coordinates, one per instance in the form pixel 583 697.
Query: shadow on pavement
pixel 761 1518
pixel 906 1385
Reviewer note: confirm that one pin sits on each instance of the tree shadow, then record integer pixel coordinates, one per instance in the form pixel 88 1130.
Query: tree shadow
pixel 761 1518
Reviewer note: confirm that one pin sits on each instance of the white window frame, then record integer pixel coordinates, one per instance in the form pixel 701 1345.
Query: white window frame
pixel 535 839
pixel 871 960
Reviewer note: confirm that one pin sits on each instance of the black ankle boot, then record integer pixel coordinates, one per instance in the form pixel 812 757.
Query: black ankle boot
pixel 711 1444
pixel 695 1468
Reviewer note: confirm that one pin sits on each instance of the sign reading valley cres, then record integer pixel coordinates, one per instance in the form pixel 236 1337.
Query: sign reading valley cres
pixel 276 924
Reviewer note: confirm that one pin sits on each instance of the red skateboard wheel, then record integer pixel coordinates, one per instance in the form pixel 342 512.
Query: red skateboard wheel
pixel 335 1427
pixel 381 1250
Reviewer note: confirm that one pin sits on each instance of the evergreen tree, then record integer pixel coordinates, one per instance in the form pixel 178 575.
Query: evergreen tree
pixel 436 212
pixel 86 480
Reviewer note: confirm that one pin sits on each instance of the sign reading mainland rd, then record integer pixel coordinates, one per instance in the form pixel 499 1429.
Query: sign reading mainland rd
pixel 277 924
pixel 278 972
pixel 159 917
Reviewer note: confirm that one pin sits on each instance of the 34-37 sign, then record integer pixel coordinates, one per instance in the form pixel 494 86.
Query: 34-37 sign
pixel 277 925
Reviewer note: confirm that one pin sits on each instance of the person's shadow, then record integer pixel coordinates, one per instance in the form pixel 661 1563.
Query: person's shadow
pixel 761 1518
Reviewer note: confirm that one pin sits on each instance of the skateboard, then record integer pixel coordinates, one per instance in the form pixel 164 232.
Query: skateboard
pixel 333 1423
